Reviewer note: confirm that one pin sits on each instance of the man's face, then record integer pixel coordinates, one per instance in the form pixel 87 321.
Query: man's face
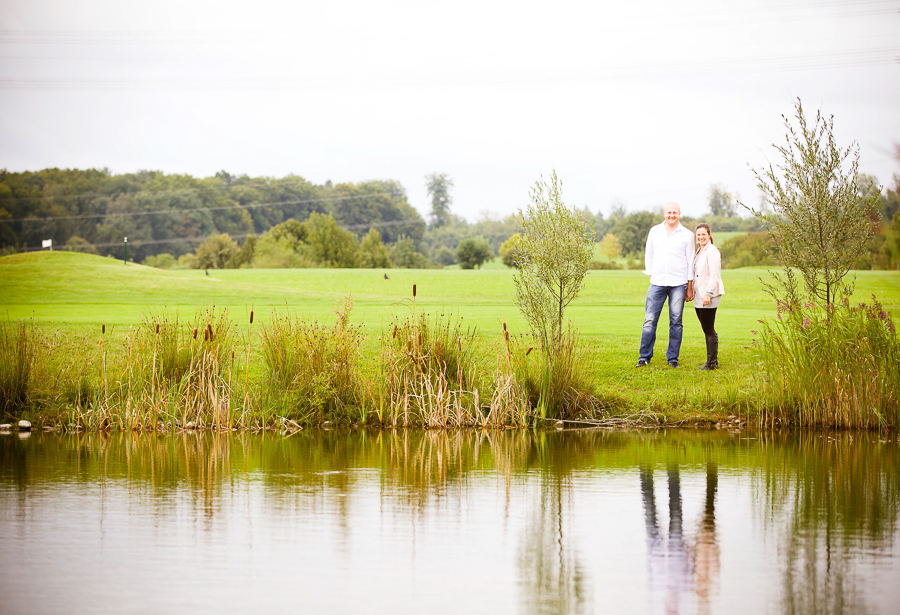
pixel 673 213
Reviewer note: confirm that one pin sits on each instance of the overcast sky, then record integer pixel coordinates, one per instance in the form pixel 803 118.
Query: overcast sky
pixel 636 103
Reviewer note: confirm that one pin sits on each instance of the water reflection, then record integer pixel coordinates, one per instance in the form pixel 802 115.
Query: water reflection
pixel 706 557
pixel 551 576
pixel 676 569
pixel 667 522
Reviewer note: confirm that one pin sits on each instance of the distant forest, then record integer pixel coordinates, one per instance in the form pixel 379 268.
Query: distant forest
pixel 171 214
pixel 240 221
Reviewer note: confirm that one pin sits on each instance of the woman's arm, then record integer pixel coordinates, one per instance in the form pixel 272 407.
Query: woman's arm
pixel 714 262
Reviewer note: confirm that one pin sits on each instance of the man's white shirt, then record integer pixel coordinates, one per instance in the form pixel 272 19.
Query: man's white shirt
pixel 669 259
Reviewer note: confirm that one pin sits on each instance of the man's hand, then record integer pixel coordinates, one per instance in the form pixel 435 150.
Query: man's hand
pixel 690 291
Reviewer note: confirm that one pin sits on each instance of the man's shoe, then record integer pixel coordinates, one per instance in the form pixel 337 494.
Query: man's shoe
pixel 642 363
pixel 673 364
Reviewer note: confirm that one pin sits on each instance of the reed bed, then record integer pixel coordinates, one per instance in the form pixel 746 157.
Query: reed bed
pixel 313 369
pixel 838 368
pixel 428 374
pixel 16 359
pixel 834 368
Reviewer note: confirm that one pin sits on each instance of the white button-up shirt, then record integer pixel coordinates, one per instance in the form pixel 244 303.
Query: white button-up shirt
pixel 669 259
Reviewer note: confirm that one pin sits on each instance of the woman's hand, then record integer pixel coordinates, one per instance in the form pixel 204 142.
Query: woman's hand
pixel 706 300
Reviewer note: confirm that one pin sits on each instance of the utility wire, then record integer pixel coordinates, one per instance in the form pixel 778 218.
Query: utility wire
pixel 285 181
pixel 146 242
pixel 747 65
pixel 766 13
pixel 159 212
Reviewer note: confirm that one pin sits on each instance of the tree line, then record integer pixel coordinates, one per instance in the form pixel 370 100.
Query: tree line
pixel 176 220
pixel 169 213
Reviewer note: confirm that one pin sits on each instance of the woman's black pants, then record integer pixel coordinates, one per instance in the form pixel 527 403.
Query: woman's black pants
pixel 707 318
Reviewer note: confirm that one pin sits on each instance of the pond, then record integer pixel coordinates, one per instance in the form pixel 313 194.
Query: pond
pixel 356 521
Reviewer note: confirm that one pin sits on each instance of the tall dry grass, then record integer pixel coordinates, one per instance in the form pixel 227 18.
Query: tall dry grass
pixel 163 373
pixel 428 373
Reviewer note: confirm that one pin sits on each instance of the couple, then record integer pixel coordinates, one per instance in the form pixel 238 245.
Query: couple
pixel 677 272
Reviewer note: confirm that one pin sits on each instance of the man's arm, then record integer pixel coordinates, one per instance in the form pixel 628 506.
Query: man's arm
pixel 648 254
pixel 689 257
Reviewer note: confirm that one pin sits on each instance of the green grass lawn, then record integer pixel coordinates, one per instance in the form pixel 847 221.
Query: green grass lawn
pixel 72 291
pixel 722 237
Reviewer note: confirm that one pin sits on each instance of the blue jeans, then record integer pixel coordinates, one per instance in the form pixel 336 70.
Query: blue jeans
pixel 656 297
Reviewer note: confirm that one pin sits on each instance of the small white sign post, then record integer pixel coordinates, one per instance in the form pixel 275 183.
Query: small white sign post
pixel 47 243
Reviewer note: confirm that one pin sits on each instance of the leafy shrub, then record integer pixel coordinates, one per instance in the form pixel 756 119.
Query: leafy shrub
pixel 509 251
pixel 160 261
pixel 373 253
pixel 405 256
pixel 751 250
pixel 472 252
pixel 607 265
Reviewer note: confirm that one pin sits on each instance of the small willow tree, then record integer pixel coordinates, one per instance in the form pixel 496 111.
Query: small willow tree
pixel 822 217
pixel 554 252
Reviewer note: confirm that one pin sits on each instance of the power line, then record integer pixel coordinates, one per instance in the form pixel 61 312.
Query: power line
pixel 137 243
pixel 747 65
pixel 285 181
pixel 131 214
pixel 766 13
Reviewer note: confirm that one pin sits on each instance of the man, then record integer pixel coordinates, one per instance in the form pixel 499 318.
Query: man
pixel 668 261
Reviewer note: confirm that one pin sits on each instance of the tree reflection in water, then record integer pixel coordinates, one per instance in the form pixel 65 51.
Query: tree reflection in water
pixel 834 502
pixel 550 575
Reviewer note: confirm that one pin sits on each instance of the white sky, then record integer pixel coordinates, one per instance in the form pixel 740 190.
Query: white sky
pixel 637 102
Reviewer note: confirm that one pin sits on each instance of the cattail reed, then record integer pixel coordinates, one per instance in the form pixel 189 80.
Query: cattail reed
pixel 210 329
pixel 103 329
pixel 195 332
pixel 251 317
pixel 157 328
pixel 414 291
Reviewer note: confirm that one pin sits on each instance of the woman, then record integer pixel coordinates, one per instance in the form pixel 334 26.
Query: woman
pixel 708 291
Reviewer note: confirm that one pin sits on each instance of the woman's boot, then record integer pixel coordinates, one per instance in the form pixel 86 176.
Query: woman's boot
pixel 712 353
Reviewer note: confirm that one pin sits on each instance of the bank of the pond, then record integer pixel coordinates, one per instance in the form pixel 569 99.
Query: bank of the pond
pixel 110 346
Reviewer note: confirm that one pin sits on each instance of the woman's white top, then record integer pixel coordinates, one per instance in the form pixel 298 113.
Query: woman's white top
pixel 708 277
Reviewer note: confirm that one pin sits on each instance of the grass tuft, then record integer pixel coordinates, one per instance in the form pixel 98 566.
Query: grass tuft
pixel 16 356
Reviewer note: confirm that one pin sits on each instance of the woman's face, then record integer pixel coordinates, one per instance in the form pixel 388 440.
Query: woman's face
pixel 702 236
